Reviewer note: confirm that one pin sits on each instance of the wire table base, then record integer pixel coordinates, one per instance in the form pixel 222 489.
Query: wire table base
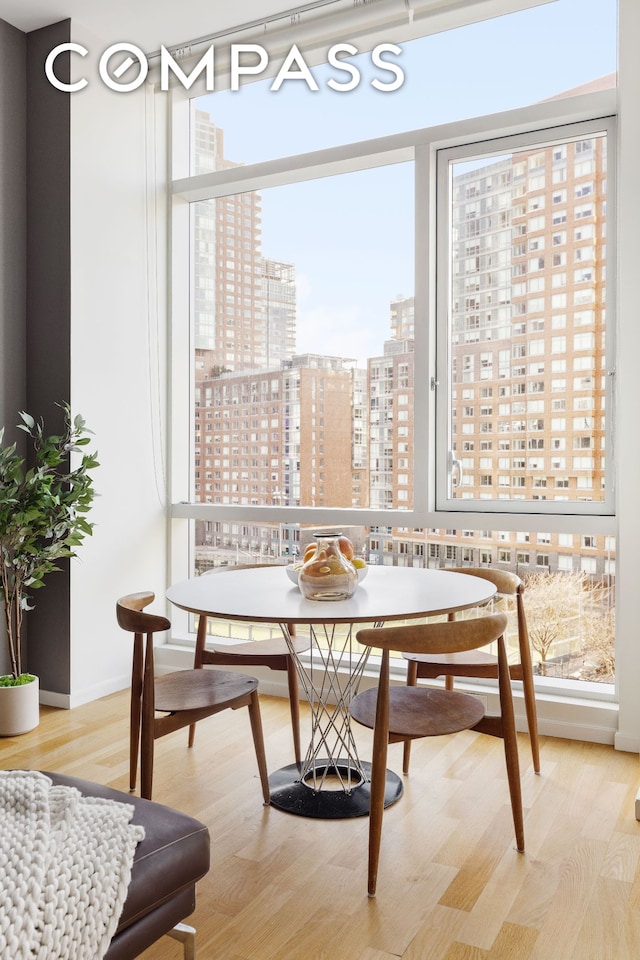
pixel 331 782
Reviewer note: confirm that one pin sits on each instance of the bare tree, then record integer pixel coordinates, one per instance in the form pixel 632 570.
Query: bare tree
pixel 553 604
pixel 572 610
pixel 598 635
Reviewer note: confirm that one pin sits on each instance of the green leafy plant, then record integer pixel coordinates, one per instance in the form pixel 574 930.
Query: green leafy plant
pixel 42 515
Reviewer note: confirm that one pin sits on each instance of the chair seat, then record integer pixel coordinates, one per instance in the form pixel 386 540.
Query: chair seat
pixel 420 711
pixel 198 689
pixel 275 647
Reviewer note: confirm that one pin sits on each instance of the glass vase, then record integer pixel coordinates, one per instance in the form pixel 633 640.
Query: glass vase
pixel 327 574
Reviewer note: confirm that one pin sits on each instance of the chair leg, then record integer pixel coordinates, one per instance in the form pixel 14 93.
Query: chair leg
pixel 146 763
pixel 186 935
pixel 201 639
pixel 412 679
pixel 147 742
pixel 527 680
pixel 258 740
pixel 294 706
pixel 510 744
pixel 532 718
pixel 378 774
pixel 135 712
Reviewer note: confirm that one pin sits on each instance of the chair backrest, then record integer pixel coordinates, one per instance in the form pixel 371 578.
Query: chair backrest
pixel 129 611
pixel 449 636
pixel 508 584
pixel 240 566
pixel 131 617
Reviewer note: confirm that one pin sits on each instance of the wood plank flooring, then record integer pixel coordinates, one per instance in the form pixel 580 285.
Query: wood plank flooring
pixel 451 884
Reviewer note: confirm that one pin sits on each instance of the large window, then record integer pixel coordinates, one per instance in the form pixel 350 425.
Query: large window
pixel 412 336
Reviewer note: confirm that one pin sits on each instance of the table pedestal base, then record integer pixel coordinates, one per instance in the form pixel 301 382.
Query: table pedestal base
pixel 293 795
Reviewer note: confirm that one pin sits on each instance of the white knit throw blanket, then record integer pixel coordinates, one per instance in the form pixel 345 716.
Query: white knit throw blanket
pixel 65 866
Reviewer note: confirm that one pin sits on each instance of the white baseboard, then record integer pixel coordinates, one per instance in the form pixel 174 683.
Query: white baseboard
pixel 628 744
pixel 67 701
pixel 51 699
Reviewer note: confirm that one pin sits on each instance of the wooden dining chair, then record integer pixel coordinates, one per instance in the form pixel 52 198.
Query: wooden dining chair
pixel 401 712
pixel 273 653
pixel 182 697
pixel 481 663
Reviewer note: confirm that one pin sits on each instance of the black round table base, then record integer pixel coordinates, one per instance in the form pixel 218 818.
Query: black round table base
pixel 293 795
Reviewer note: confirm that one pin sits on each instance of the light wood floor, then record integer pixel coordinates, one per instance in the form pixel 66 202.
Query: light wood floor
pixel 451 885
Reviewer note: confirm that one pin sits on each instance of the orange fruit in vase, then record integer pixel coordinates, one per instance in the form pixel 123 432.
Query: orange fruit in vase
pixel 346 548
pixel 309 551
pixel 320 568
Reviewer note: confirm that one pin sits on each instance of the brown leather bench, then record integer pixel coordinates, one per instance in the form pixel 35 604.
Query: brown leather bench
pixel 167 864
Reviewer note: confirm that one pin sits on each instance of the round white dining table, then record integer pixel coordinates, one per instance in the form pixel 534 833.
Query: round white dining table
pixel 332 781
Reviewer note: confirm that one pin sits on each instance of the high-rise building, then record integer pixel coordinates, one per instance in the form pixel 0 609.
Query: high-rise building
pixel 229 320
pixel 273 437
pixel 279 299
pixel 403 318
pixel 244 319
pixel 391 426
pixel 528 319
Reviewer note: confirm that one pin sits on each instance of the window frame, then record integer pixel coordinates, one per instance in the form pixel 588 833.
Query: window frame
pixel 486 149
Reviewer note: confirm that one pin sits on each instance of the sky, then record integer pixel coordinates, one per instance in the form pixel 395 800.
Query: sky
pixel 351 237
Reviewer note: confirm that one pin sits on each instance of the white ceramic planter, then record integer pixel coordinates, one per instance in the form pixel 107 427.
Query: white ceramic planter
pixel 19 708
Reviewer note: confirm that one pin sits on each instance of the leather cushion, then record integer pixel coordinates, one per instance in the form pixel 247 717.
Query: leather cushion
pixel 173 855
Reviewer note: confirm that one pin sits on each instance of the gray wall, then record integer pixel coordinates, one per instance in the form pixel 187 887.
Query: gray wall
pixel 48 380
pixel 35 289
pixel 13 192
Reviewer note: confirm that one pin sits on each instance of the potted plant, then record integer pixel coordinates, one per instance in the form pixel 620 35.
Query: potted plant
pixel 43 509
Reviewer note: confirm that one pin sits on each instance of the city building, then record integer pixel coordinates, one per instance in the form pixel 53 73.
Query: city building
pixel 228 312
pixel 278 437
pixel 403 318
pixel 279 299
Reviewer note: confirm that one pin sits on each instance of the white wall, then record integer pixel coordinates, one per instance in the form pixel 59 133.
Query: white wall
pixel 118 336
